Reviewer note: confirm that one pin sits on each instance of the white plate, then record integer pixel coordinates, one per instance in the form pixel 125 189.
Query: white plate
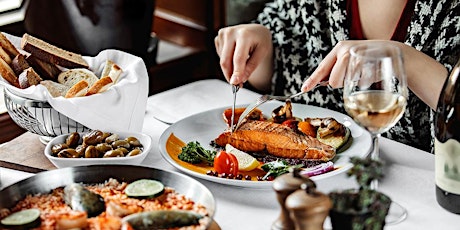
pixel 206 126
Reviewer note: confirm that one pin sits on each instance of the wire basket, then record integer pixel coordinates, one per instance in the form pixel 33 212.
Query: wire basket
pixel 39 117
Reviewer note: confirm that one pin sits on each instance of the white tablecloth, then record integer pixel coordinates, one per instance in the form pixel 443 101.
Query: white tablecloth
pixel 409 172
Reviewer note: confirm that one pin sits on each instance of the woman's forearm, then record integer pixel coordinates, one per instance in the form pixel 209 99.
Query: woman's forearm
pixel 425 76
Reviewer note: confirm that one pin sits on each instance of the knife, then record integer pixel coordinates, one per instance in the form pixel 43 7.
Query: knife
pixel 235 89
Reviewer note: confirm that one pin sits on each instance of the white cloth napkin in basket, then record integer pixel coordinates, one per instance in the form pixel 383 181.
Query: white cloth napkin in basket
pixel 120 108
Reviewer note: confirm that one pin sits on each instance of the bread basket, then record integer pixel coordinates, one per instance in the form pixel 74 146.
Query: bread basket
pixel 39 117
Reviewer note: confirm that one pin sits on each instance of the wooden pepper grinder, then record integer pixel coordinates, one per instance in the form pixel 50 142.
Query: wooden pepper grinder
pixel 284 185
pixel 308 207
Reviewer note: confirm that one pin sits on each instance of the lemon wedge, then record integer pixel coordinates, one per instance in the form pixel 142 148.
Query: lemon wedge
pixel 246 162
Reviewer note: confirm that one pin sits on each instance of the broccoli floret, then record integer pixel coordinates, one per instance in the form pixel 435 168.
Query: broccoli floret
pixel 194 153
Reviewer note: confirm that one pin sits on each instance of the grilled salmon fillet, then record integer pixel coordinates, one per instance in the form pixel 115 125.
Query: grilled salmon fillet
pixel 278 140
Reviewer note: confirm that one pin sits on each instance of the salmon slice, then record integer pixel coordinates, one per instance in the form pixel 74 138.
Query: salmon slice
pixel 278 140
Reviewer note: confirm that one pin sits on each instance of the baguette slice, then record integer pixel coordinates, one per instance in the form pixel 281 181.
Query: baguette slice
pixel 50 53
pixel 73 76
pixel 29 77
pixel 8 46
pixel 100 86
pixel 8 74
pixel 47 70
pixel 112 70
pixel 19 64
pixel 78 90
pixel 5 56
pixel 54 88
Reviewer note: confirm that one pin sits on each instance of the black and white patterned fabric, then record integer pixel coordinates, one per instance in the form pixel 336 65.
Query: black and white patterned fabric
pixel 304 31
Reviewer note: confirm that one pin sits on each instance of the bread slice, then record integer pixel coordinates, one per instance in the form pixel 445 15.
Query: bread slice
pixel 19 64
pixel 78 90
pixel 54 88
pixel 112 70
pixel 29 77
pixel 46 70
pixel 50 53
pixel 8 46
pixel 5 56
pixel 8 74
pixel 73 76
pixel 100 86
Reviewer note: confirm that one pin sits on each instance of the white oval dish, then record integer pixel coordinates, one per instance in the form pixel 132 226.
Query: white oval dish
pixel 59 162
pixel 206 126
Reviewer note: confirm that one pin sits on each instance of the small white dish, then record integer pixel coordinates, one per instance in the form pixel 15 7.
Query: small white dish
pixel 60 162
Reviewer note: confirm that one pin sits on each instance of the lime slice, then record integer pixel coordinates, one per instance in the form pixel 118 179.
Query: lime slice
pixel 246 162
pixel 23 218
pixel 144 188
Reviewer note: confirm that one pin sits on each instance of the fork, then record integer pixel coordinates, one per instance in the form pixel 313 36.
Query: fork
pixel 264 98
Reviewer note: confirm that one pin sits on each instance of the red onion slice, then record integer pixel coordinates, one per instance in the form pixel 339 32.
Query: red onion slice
pixel 318 169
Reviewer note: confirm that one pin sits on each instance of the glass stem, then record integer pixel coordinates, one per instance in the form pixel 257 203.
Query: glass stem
pixel 375 156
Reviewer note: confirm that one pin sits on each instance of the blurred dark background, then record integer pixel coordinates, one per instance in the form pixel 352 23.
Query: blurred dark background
pixel 174 37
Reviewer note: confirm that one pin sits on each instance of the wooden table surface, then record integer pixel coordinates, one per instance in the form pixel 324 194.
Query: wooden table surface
pixel 25 153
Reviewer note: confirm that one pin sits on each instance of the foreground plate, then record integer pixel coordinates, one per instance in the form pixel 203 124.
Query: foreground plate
pixel 206 126
pixel 44 182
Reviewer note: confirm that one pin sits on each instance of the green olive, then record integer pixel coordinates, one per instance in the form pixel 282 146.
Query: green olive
pixel 112 138
pixel 134 152
pixel 93 137
pixel 68 153
pixel 73 139
pixel 81 149
pixel 120 143
pixel 123 150
pixel 114 153
pixel 103 147
pixel 134 142
pixel 57 148
pixel 91 152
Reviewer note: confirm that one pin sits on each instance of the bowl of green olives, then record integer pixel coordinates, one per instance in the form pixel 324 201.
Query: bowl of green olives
pixel 97 147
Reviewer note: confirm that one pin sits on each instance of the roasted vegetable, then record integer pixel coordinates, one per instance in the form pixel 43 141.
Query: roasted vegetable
pixel 162 219
pixel 194 153
pixel 277 168
pixel 81 199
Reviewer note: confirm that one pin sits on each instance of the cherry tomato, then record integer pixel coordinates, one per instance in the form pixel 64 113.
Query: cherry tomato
pixel 226 163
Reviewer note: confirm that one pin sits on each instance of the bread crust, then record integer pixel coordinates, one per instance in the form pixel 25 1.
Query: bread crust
pixel 47 70
pixel 8 74
pixel 8 46
pixel 112 70
pixel 51 53
pixel 5 56
pixel 19 64
pixel 29 77
pixel 78 90
pixel 100 86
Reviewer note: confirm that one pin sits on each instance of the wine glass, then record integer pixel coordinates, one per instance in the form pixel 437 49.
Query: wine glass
pixel 375 96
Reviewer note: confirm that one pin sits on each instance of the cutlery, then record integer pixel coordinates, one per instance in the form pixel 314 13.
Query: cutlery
pixel 264 98
pixel 235 89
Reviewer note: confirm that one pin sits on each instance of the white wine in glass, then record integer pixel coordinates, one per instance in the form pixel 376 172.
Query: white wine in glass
pixel 375 96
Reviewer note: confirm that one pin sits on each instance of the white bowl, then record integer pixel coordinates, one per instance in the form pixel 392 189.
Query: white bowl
pixel 60 162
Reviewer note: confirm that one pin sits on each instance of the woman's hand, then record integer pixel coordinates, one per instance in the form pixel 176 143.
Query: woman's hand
pixel 332 67
pixel 246 51
pixel 425 76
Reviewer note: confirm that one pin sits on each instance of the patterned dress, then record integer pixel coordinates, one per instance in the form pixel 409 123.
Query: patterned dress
pixel 304 31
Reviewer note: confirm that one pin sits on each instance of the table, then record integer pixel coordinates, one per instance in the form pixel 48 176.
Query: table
pixel 409 172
